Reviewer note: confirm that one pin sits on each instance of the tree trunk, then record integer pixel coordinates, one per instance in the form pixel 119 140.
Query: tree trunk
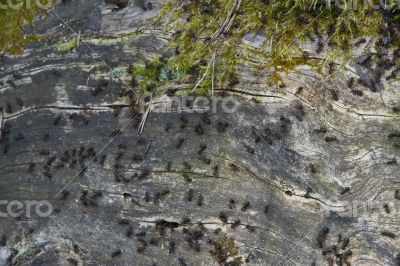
pixel 294 176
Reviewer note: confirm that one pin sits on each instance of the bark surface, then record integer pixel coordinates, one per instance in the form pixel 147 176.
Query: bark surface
pixel 312 176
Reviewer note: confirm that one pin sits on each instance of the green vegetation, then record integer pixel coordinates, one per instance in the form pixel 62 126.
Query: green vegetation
pixel 225 252
pixel 203 27
pixel 153 72
pixel 12 21
pixel 67 46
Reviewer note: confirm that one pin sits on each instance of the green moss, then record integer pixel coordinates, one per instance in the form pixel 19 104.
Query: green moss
pixel 148 72
pixel 155 72
pixel 67 46
pixel 12 22
pixel 226 250
pixel 281 21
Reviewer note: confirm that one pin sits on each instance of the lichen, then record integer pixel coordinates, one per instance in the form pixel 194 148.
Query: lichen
pixel 154 72
pixel 204 27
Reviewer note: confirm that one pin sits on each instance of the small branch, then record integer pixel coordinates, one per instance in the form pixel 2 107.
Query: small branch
pixel 148 148
pixel 146 114
pixel 204 75
pixel 228 21
pixel 212 79
pixel 78 39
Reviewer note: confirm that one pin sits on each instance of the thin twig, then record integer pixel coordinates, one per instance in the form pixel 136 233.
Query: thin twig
pixel 146 114
pixel 212 79
pixel 78 40
pixel 148 148
pixel 228 21
pixel 204 75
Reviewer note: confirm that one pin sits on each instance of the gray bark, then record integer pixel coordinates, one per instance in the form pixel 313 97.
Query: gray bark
pixel 351 165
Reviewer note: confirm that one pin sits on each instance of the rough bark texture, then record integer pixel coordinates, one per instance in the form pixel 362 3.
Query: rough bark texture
pixel 325 159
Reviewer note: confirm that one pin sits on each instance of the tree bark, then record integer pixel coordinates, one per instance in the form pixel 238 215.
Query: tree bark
pixel 312 175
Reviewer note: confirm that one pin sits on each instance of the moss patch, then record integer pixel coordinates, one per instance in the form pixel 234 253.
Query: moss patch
pixel 225 252
pixel 68 45
pixel 12 21
pixel 203 27
pixel 152 73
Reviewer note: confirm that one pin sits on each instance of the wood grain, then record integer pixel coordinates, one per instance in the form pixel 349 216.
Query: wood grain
pixel 329 168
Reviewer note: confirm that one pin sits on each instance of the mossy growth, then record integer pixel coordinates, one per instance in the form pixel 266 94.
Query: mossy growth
pixel 204 27
pixel 152 73
pixel 13 18
pixel 225 252
pixel 67 45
